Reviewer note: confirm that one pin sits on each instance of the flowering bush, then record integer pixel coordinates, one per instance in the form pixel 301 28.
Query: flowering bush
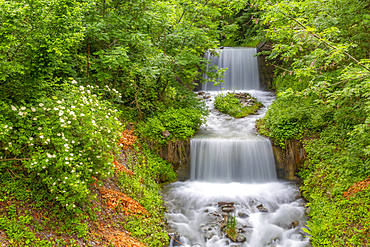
pixel 64 142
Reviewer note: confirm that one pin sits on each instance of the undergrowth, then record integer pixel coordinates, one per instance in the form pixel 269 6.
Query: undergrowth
pixel 128 202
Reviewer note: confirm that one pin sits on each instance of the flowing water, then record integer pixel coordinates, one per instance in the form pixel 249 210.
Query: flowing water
pixel 230 162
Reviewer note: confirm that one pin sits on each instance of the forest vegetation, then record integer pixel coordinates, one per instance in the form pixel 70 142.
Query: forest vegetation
pixel 74 74
pixel 322 80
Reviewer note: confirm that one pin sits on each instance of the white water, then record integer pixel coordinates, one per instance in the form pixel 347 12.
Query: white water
pixel 231 162
pixel 242 69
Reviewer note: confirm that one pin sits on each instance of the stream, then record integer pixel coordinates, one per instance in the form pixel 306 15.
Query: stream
pixel 233 175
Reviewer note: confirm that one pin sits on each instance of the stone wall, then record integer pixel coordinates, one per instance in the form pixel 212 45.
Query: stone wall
pixel 178 154
pixel 266 70
pixel 289 160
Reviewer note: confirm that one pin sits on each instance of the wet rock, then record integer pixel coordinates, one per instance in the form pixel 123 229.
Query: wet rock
pixel 294 224
pixel 261 208
pixel 228 209
pixel 274 241
pixel 208 235
pixel 206 211
pixel 201 93
pixel 166 133
pixel 228 204
pixel 206 228
pixel 240 239
pixel 240 230
pixel 206 96
pixel 242 215
pixel 246 226
pixel 308 211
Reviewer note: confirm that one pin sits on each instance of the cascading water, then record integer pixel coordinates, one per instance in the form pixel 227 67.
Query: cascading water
pixel 242 69
pixel 231 162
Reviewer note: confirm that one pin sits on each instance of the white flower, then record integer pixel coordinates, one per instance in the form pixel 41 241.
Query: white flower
pixel 34 119
pixel 6 126
pixel 46 160
pixel 58 134
pixel 59 102
pixel 54 183
pixel 33 109
pixel 54 156
pixel 41 136
pixel 66 178
pixel 13 108
pixel 41 104
pixel 39 128
pixel 69 122
pixel 67 162
pixel 74 205
pixel 82 115
pixel 62 120
pixel 74 82
pixel 71 154
pixel 23 108
pixel 43 167
pixel 20 113
pixel 31 138
pixel 61 113
pixel 73 141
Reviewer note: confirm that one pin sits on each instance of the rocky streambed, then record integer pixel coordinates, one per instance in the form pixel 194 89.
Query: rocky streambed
pixel 270 214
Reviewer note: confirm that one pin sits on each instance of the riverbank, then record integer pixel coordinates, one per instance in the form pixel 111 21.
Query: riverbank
pixel 127 209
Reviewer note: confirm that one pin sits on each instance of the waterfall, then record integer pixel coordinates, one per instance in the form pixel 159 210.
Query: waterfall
pixel 230 160
pixel 242 69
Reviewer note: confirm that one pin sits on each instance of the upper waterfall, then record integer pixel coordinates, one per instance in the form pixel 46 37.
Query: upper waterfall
pixel 242 69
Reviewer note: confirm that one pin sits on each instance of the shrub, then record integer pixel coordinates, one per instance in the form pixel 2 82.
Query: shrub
pixel 181 123
pixel 64 142
pixel 231 105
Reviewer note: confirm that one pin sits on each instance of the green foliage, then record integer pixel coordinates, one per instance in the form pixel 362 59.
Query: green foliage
pixel 38 45
pixel 231 105
pixel 18 217
pixel 149 169
pixel 182 123
pixel 61 141
pixel 322 80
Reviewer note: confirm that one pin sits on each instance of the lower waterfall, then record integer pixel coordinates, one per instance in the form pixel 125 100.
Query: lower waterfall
pixel 232 160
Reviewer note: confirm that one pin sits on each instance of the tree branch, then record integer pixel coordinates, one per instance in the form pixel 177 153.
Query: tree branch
pixel 326 43
pixel 15 159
